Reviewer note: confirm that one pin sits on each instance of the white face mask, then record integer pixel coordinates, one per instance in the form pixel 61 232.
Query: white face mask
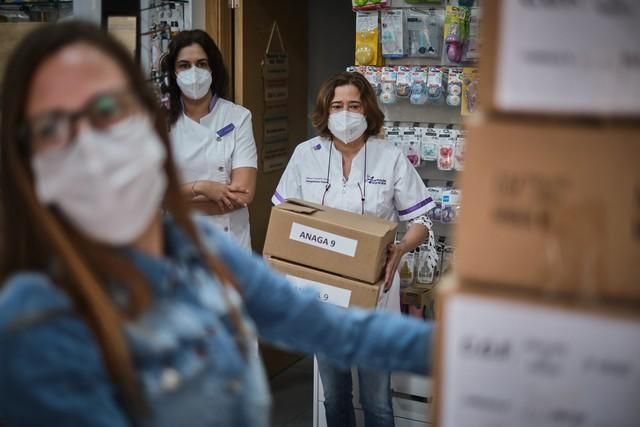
pixel 347 126
pixel 194 82
pixel 109 184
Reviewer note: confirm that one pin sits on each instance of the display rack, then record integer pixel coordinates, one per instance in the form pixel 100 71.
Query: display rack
pixel 35 11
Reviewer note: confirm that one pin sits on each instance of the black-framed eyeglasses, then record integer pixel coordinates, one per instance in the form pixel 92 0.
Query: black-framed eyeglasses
pixel 56 129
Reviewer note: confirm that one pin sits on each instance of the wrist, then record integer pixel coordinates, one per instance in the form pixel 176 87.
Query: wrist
pixel 402 247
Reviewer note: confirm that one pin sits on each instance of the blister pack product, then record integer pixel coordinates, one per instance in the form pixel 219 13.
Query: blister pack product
pixel 435 214
pixel 418 86
pixel 429 144
pixel 407 269
pixel 403 82
pixel 454 87
pixel 394 34
pixel 446 147
pixel 372 74
pixel 393 135
pixel 424 28
pixel 471 49
pixel 451 199
pixel 470 85
pixel 388 88
pixel 435 86
pixel 459 152
pixel 368 4
pixel 455 32
pixel 367 35
pixel 412 146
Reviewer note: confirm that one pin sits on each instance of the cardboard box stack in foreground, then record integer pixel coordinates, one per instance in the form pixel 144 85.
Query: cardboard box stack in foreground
pixel 541 326
pixel 339 254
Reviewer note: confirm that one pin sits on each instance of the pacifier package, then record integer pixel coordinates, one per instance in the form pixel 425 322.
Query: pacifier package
pixel 388 89
pixel 435 86
pixel 459 152
pixel 451 200
pixel 418 86
pixel 435 214
pixel 470 85
pixel 429 144
pixel 403 82
pixel 446 146
pixel 394 35
pixel 424 28
pixel 372 74
pixel 454 87
pixel 455 32
pixel 367 35
pixel 471 50
pixel 411 141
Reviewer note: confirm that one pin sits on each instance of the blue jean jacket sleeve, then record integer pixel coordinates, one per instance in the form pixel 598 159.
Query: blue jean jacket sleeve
pixel 54 366
pixel 297 320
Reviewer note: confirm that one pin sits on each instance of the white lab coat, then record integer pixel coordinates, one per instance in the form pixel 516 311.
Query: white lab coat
pixel 201 154
pixel 393 190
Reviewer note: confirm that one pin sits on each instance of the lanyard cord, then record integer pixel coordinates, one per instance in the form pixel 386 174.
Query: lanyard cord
pixel 363 188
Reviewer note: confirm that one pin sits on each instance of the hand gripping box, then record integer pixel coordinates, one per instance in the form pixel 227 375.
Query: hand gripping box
pixel 510 359
pixel 330 240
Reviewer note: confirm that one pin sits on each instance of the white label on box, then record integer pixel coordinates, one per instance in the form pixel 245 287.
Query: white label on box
pixel 511 364
pixel 326 293
pixel 323 239
pixel 568 56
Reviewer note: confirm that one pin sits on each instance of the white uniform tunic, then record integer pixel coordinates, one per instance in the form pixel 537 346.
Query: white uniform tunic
pixel 211 149
pixel 390 185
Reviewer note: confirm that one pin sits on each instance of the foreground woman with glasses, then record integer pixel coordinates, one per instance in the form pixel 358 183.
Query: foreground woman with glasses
pixel 347 167
pixel 112 314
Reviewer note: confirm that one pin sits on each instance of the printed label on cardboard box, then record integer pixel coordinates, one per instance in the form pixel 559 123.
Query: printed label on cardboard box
pixel 511 364
pixel 325 293
pixel 323 239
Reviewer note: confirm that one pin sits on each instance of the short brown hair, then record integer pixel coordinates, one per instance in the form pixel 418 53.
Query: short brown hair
pixel 373 114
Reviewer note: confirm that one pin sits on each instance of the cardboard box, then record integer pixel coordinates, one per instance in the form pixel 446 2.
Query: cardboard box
pixel 503 360
pixel 551 208
pixel 333 289
pixel 331 240
pixel 561 57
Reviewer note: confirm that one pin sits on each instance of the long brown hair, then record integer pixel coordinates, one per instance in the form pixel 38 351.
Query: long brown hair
pixel 33 236
pixel 371 110
pixel 219 75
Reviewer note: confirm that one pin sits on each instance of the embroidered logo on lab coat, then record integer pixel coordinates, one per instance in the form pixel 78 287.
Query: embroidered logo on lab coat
pixel 372 180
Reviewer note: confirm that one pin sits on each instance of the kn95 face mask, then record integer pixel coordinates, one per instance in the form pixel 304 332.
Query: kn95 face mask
pixel 194 82
pixel 347 126
pixel 108 184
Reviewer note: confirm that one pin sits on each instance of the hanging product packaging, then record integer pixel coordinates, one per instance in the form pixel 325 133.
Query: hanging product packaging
pixel 426 267
pixel 435 214
pixel 455 32
pixel 472 45
pixel 451 199
pixel 403 82
pixel 429 144
pixel 459 152
pixel 394 34
pixel 435 86
pixel 407 269
pixel 454 87
pixel 445 153
pixel 418 86
pixel 425 32
pixel 470 83
pixel 372 74
pixel 388 93
pixel 367 52
pixel 368 4
pixel 394 136
pixel 411 140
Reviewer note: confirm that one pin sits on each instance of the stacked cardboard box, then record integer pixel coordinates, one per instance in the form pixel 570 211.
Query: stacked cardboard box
pixel 339 254
pixel 541 326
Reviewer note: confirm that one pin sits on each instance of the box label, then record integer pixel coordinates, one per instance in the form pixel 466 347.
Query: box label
pixel 323 239
pixel 326 293
pixel 510 364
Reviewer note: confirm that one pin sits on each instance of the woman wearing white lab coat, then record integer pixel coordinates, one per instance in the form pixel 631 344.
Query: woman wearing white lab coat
pixel 211 137
pixel 348 167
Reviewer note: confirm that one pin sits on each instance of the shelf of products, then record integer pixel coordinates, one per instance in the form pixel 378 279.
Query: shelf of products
pixel 34 11
pixel 160 21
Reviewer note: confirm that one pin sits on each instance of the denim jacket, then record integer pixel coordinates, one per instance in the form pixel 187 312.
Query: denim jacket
pixel 183 348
